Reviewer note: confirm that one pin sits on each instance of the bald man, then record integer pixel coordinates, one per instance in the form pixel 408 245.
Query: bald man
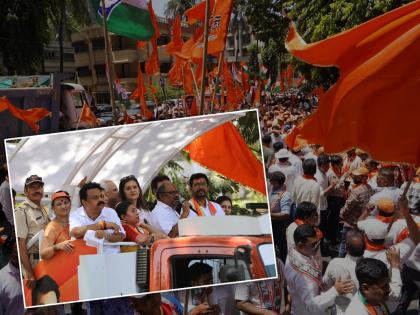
pixel 344 268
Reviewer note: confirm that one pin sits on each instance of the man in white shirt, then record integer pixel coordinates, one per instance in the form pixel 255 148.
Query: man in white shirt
pixel 303 274
pixel 164 215
pixel 199 185
pixel 94 216
pixel 283 165
pixel 306 187
pixel 345 268
pixel 374 289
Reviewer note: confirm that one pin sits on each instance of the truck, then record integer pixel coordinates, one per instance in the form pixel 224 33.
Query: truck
pixel 238 248
pixel 63 99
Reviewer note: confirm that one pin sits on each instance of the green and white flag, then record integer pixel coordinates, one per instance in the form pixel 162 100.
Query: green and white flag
pixel 130 18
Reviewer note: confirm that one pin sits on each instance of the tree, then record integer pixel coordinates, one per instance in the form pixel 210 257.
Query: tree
pixel 270 58
pixel 24 31
pixel 175 7
pixel 253 64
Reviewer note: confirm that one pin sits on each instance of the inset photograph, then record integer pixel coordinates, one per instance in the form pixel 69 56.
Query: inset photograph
pixel 141 208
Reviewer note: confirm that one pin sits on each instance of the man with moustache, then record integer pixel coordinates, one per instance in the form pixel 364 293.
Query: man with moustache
pixel 199 185
pixel 164 215
pixel 31 217
pixel 94 216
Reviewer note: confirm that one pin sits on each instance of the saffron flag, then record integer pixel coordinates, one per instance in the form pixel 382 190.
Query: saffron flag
pixel 238 162
pixel 152 64
pixel 282 76
pixel 218 27
pixel 373 104
pixel 230 88
pixel 198 12
pixel 188 47
pixel 176 42
pixel 175 73
pixel 130 18
pixel 30 116
pixel 141 91
pixel 87 115
pixel 289 74
pixel 188 79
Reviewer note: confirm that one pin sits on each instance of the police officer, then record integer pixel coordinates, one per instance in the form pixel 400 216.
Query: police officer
pixel 31 217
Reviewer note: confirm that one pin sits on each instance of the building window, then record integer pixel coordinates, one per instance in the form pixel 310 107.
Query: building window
pixel 83 71
pixel 163 40
pixel 231 53
pixel 244 52
pixel 165 67
pixel 126 70
pixel 100 70
pixel 69 57
pixel 98 43
pixel 231 41
pixel 80 47
pixel 246 39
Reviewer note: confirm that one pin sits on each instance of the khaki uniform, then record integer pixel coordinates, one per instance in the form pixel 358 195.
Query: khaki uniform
pixel 30 219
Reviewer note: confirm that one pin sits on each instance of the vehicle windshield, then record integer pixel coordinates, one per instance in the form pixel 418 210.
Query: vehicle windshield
pixel 268 258
pixel 223 269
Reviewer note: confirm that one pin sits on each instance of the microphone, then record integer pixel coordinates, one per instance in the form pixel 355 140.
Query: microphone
pixel 178 207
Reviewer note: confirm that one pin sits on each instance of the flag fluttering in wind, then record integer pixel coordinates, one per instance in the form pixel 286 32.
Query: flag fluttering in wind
pixel 141 91
pixel 374 104
pixel 198 12
pixel 130 18
pixel 87 115
pixel 30 116
pixel 238 164
pixel 152 64
pixel 176 42
pixel 175 73
pixel 289 74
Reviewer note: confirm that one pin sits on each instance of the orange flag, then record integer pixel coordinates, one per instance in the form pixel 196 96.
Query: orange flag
pixel 198 12
pixel 218 29
pixel 300 80
pixel 223 150
pixel 176 43
pixel 257 98
pixel 141 91
pixel 289 74
pixel 188 47
pixel 230 88
pixel 152 64
pixel 140 44
pixel 188 79
pixel 87 115
pixel 282 87
pixel 175 73
pixel 30 116
pixel 372 105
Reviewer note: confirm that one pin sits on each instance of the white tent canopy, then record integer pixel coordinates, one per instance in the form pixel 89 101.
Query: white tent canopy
pixel 63 159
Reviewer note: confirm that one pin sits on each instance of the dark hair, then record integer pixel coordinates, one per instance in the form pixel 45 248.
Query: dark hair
pixel 68 195
pixel 13 192
pixel 198 176
pixel 336 160
pixel 309 167
pixel 198 269
pixel 277 146
pixel 122 208
pixel 355 244
pixel 156 180
pixel 83 191
pixel 387 174
pixel 44 285
pixel 3 173
pixel 323 159
pixel 370 271
pixel 9 243
pixel 266 139
pixel 305 210
pixel 303 232
pixel 160 190
pixel 220 199
pixel 278 177
pixel 141 203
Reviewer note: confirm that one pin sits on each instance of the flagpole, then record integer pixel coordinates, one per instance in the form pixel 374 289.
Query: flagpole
pixel 195 83
pixel 204 64
pixel 217 82
pixel 110 66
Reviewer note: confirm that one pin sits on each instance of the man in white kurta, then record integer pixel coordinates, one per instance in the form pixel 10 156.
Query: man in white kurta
pixel 303 273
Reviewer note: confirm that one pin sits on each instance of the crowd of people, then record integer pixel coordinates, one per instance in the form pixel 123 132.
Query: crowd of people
pixel 345 228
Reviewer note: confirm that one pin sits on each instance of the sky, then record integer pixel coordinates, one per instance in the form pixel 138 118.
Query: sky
pixel 159 7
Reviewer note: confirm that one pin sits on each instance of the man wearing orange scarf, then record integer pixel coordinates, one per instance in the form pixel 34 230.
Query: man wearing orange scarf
pixel 199 185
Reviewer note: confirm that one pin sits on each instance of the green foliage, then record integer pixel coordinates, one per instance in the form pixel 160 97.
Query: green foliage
pixel 270 59
pixel 24 31
pixel 253 64
pixel 248 128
